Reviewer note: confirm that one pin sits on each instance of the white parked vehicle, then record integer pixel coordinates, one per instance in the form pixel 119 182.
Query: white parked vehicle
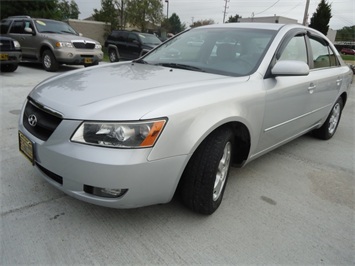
pixel 130 134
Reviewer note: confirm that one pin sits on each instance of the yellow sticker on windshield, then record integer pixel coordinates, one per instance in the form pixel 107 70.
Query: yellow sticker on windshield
pixel 41 22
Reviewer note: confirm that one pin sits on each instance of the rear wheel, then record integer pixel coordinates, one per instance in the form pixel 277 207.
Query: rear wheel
pixel 113 55
pixel 49 61
pixel 330 126
pixel 205 177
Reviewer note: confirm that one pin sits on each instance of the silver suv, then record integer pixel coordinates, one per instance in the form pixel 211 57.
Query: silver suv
pixel 51 42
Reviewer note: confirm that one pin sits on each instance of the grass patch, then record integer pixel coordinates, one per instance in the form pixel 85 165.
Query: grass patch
pixel 348 57
pixel 105 59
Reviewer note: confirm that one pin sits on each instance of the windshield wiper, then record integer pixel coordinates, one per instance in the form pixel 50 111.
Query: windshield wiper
pixel 181 66
pixel 49 31
pixel 68 32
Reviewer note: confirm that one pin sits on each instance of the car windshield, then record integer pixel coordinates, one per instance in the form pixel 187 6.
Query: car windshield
pixel 231 52
pixel 50 26
pixel 149 39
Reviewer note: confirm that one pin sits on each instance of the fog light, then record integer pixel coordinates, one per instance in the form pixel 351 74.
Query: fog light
pixel 70 55
pixel 105 192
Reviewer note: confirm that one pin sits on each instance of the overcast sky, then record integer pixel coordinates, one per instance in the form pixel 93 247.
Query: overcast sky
pixel 343 11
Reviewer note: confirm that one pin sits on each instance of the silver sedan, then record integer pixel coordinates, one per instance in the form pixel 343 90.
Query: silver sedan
pixel 132 134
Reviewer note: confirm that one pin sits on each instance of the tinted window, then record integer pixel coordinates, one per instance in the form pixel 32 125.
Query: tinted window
pixel 132 37
pixel 4 26
pixel 122 36
pixel 17 27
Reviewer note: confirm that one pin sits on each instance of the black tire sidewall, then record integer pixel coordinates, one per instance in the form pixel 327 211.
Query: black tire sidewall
pixel 323 131
pixel 54 65
pixel 200 174
pixel 112 51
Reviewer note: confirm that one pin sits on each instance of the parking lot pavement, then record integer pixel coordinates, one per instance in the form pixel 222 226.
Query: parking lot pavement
pixel 294 205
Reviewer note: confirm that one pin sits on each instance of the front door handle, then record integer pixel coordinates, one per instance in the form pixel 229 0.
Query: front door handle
pixel 311 88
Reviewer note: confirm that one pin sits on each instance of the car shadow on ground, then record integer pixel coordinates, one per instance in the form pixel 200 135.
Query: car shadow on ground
pixel 62 68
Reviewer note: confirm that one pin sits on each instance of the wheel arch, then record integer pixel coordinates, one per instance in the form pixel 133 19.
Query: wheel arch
pixel 112 46
pixel 242 141
pixel 43 48
pixel 344 97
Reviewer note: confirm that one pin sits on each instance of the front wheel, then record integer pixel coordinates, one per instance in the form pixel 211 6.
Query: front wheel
pixel 330 125
pixel 8 67
pixel 49 61
pixel 205 177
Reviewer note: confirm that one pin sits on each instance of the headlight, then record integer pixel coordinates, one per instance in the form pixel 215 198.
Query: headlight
pixel 98 46
pixel 17 44
pixel 64 44
pixel 119 135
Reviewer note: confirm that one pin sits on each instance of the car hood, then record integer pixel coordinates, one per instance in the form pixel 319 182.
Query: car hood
pixel 125 91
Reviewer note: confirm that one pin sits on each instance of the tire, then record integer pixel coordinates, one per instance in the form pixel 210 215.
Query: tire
pixel 9 67
pixel 205 176
pixel 113 56
pixel 49 62
pixel 330 125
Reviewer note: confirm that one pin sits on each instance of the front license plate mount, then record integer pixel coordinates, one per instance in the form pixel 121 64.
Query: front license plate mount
pixel 88 60
pixel 4 57
pixel 26 147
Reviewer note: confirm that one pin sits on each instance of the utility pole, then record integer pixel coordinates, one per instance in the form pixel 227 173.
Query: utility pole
pixel 225 9
pixel 167 9
pixel 305 16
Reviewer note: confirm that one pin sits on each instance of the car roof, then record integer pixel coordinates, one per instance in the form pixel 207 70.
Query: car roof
pixel 252 25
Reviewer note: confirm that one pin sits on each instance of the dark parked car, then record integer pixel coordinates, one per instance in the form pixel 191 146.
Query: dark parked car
pixel 129 45
pixel 10 54
pixel 348 51
pixel 51 42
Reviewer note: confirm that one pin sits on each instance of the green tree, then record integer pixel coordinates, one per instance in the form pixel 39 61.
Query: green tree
pixel 142 12
pixel 175 24
pixel 34 8
pixel 233 19
pixel 320 19
pixel 346 34
pixel 68 10
pixel 108 13
pixel 202 22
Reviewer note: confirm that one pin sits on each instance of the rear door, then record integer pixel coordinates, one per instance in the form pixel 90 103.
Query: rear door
pixel 133 46
pixel 329 75
pixel 24 37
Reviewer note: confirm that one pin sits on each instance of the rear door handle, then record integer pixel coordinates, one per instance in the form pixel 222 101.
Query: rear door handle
pixel 339 80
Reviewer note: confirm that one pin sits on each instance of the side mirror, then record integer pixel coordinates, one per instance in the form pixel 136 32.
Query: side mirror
pixel 80 34
pixel 30 31
pixel 136 42
pixel 290 68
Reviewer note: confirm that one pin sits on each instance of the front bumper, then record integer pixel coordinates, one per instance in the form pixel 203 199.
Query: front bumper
pixel 78 56
pixel 10 57
pixel 79 166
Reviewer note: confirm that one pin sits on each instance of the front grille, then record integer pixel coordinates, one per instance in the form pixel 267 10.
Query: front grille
pixel 82 45
pixel 43 122
pixel 6 45
pixel 50 174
